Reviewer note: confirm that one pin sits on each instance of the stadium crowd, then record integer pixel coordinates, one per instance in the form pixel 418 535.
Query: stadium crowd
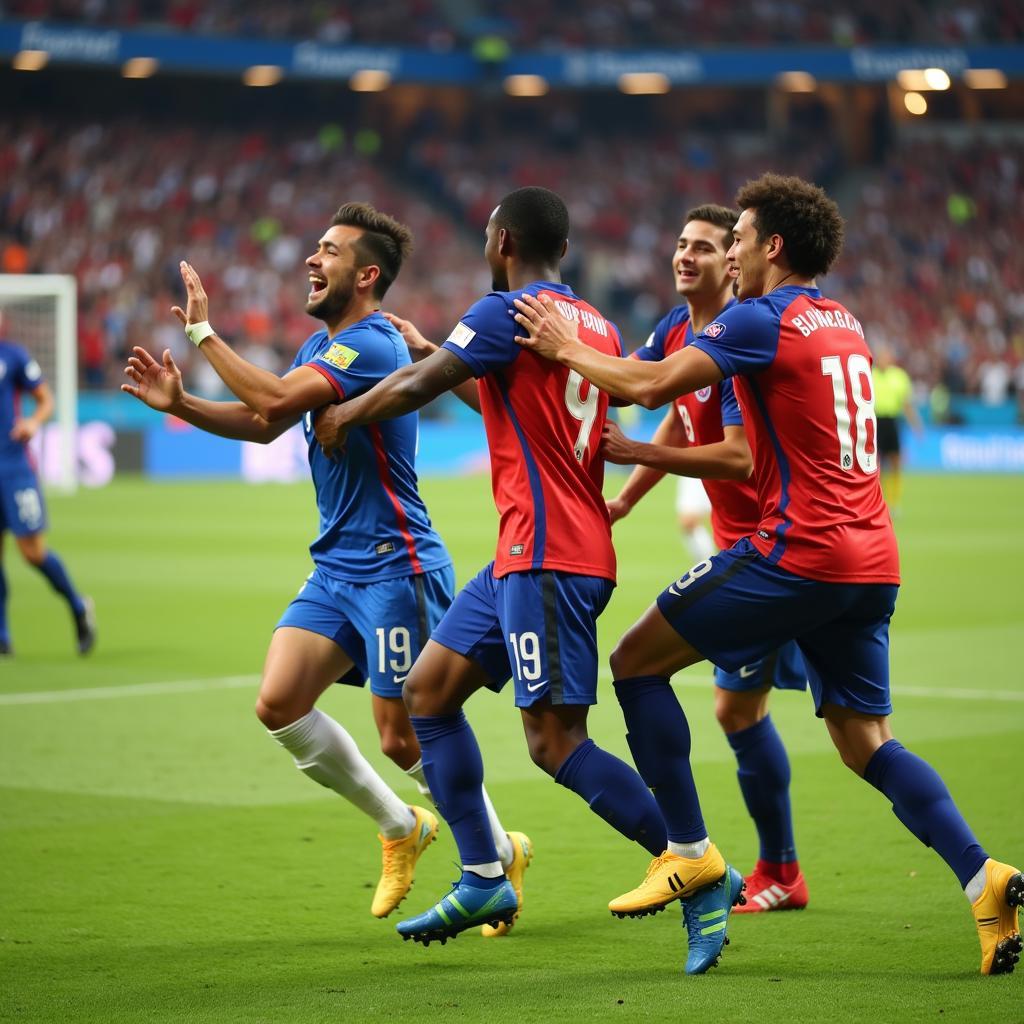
pixel 571 23
pixel 931 263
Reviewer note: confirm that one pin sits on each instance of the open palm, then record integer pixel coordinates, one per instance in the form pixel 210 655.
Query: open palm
pixel 158 384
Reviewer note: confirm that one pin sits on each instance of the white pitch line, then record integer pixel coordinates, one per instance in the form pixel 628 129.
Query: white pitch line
pixel 240 682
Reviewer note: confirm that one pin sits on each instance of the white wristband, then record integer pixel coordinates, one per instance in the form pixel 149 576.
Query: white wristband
pixel 198 333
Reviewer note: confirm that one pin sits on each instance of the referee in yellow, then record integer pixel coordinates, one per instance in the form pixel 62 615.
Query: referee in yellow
pixel 894 394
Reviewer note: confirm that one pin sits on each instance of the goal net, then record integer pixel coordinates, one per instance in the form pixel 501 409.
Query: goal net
pixel 39 313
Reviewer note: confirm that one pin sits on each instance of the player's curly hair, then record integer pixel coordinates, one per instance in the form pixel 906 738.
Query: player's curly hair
pixel 721 216
pixel 384 243
pixel 809 221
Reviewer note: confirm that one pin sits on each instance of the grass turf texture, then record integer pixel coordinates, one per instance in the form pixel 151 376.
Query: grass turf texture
pixel 161 860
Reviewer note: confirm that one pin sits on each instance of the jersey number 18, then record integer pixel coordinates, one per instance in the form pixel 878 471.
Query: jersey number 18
pixel 857 372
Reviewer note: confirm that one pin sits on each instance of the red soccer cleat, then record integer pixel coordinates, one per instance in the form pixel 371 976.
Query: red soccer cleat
pixel 766 892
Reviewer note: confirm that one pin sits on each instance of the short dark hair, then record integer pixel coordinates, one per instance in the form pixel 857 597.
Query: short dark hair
pixel 384 242
pixel 809 221
pixel 721 216
pixel 538 221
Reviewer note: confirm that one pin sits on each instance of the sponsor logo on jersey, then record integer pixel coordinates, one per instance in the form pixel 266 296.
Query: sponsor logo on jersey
pixel 714 330
pixel 462 335
pixel 516 549
pixel 703 395
pixel 385 547
pixel 340 356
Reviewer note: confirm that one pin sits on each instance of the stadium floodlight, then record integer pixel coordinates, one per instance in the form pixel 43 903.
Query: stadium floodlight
pixel 262 75
pixel 140 67
pixel 526 85
pixel 30 60
pixel 39 313
pixel 924 80
pixel 797 81
pixel 369 80
pixel 643 83
pixel 985 78
pixel 915 103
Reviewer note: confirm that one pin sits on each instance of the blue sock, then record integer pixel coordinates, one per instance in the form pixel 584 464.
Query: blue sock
pixel 53 569
pixel 659 739
pixel 475 881
pixel 763 773
pixel 455 774
pixel 5 635
pixel 921 801
pixel 615 793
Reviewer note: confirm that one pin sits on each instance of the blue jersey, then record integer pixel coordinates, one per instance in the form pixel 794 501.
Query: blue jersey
pixel 373 523
pixel 19 373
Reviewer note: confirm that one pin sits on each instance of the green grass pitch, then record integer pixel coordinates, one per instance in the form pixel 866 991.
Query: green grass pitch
pixel 161 860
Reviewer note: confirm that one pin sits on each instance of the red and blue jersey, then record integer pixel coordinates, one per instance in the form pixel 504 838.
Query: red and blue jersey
pixel 373 522
pixel 19 373
pixel 802 373
pixel 543 424
pixel 705 414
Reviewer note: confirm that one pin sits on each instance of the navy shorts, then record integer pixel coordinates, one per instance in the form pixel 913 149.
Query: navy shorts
pixel 22 509
pixel 783 669
pixel 736 608
pixel 538 628
pixel 381 626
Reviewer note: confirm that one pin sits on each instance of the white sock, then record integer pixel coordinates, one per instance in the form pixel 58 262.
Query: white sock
pixel 693 851
pixel 492 870
pixel 416 774
pixel 502 843
pixel 328 755
pixel 702 544
pixel 976 886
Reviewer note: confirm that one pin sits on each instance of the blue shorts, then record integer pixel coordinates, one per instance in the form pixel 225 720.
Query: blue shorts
pixel 737 607
pixel 538 628
pixel 381 626
pixel 22 509
pixel 783 669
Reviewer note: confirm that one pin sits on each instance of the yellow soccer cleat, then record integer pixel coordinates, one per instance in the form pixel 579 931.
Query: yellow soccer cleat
pixel 669 878
pixel 399 858
pixel 995 914
pixel 522 854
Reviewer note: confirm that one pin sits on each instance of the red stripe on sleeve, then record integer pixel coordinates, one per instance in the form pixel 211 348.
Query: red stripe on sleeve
pixel 334 384
pixel 385 479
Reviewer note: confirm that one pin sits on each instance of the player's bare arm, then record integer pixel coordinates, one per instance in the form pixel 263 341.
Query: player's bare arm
pixel 273 398
pixel 420 348
pixel 26 427
pixel 643 478
pixel 405 390
pixel 158 385
pixel 649 384
pixel 728 459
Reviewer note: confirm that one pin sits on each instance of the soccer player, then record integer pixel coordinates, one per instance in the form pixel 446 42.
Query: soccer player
pixel 702 436
pixel 382 576
pixel 22 509
pixel 894 401
pixel 822 567
pixel 531 614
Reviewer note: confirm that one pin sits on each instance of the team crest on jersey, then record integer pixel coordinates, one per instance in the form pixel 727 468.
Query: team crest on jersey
pixel 340 356
pixel 714 330
pixel 703 395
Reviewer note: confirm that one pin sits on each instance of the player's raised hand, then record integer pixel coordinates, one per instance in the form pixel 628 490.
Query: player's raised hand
pixel 156 384
pixel 419 347
pixel 24 430
pixel 615 446
pixel 331 430
pixel 197 308
pixel 548 332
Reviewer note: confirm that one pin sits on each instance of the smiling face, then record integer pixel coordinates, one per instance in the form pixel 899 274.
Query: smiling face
pixel 699 262
pixel 750 257
pixel 332 273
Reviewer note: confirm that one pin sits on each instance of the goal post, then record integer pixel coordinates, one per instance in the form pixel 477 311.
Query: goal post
pixel 39 312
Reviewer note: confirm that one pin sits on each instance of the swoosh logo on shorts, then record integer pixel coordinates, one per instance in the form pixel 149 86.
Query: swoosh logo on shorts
pixel 534 687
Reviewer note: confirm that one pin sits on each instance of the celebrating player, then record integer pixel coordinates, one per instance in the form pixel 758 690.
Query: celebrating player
pixel 382 576
pixel 702 436
pixel 532 613
pixel 22 509
pixel 822 567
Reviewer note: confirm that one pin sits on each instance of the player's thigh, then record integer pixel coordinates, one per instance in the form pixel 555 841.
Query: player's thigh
pixel 549 623
pixel 651 647
pixel 441 680
pixel 847 656
pixel 299 666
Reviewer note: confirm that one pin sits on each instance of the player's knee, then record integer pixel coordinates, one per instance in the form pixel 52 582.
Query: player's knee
pixel 395 745
pixel 624 661
pixel 733 716
pixel 276 714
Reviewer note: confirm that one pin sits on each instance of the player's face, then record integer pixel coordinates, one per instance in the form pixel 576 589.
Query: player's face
pixel 499 272
pixel 748 257
pixel 332 273
pixel 699 262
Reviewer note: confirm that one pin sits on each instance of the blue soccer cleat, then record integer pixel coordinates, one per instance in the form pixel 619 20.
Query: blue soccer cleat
pixel 705 916
pixel 464 907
